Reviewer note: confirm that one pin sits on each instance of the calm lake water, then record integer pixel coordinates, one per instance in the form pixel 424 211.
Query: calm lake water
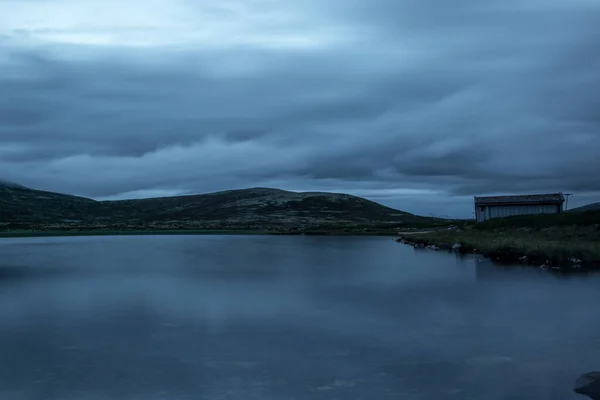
pixel 260 317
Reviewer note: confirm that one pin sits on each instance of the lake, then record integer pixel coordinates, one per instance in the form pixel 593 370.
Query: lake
pixel 284 317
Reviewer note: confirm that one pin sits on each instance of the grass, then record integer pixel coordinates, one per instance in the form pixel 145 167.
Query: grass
pixel 329 230
pixel 33 233
pixel 332 229
pixel 538 222
pixel 544 239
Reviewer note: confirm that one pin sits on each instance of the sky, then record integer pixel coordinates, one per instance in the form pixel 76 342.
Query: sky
pixel 417 104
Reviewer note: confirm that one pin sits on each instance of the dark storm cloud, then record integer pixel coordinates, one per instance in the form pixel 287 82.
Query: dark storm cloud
pixel 480 97
pixel 15 116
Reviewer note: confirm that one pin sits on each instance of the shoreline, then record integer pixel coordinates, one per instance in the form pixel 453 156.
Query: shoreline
pixel 504 254
pixel 26 234
pixel 182 232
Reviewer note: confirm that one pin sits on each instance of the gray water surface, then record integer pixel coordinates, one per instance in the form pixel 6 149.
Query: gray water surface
pixel 260 317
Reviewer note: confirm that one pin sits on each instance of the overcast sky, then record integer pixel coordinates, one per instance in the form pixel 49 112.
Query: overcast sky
pixel 418 104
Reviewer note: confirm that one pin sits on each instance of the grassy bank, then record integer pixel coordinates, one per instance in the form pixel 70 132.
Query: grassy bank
pixel 552 240
pixel 373 229
pixel 83 232
pixel 18 234
pixel 30 233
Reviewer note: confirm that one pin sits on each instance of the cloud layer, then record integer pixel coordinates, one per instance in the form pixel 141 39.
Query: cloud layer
pixel 407 102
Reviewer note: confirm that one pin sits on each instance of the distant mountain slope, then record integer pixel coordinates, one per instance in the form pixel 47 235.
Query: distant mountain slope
pixel 10 184
pixel 20 204
pixel 257 208
pixel 5 184
pixel 588 207
pixel 257 204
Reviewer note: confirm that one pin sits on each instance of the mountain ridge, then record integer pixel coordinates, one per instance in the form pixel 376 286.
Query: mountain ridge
pixel 258 208
pixel 587 207
pixel 10 184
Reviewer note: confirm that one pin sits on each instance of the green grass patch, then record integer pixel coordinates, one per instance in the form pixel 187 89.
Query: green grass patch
pixel 555 246
pixel 543 221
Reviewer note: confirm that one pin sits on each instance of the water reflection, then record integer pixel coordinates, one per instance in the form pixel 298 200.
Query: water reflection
pixel 202 317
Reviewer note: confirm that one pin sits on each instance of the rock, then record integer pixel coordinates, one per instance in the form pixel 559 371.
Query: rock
pixel 575 260
pixel 544 266
pixel 588 384
pixel 524 258
pixel 433 247
pixel 456 246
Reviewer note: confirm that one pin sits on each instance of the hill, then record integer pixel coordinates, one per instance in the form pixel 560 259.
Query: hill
pixel 257 209
pixel 10 184
pixel 588 207
pixel 19 204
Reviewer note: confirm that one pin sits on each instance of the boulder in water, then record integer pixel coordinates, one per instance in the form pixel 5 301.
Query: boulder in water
pixel 588 384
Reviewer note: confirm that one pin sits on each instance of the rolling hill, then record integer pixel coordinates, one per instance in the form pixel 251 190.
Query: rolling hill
pixel 261 209
pixel 29 206
pixel 587 207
